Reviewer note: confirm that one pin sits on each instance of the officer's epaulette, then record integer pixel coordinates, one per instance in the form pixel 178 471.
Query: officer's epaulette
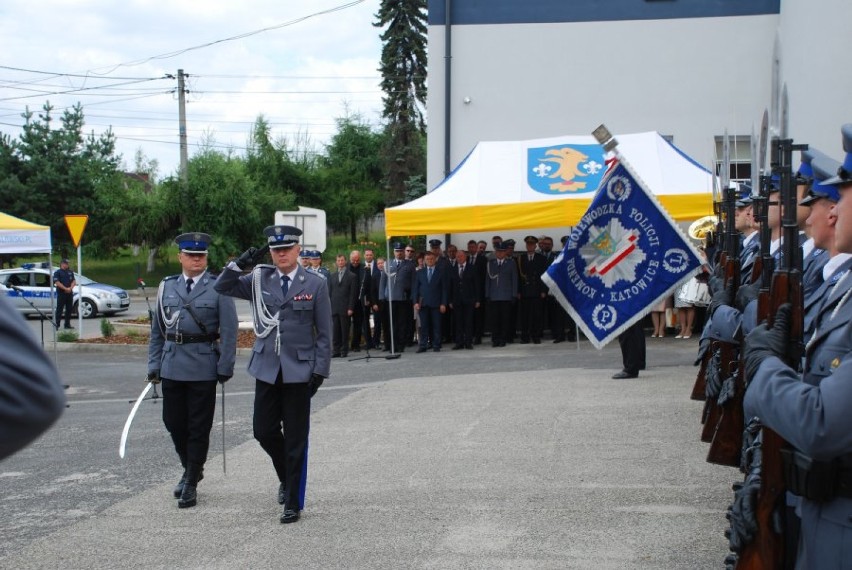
pixel 170 277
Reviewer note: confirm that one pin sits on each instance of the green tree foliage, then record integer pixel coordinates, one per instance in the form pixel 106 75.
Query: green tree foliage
pixel 403 68
pixel 53 170
pixel 350 175
pixel 269 163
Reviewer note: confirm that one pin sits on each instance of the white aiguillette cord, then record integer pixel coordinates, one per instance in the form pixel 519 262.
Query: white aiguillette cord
pixel 262 319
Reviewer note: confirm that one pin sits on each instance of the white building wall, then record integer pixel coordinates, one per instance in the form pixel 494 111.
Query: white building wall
pixel 690 78
pixel 815 46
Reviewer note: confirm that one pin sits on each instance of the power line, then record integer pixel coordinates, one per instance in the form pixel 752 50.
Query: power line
pixel 232 38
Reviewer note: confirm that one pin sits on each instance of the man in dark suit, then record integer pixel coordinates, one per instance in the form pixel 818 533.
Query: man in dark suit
pixel 430 294
pixel 479 260
pixel 531 292
pixel 343 290
pixel 362 291
pixel 371 299
pixel 464 299
pixel 291 356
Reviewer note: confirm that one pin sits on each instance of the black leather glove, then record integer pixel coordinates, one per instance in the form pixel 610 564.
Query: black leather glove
pixel 746 295
pixel 703 347
pixel 222 378
pixel 315 383
pixel 153 377
pixel 251 257
pixel 724 296
pixel 763 342
pixel 715 283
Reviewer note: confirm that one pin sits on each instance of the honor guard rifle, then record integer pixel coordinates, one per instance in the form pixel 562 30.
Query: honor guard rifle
pixel 728 351
pixel 727 443
pixel 766 550
pixel 716 259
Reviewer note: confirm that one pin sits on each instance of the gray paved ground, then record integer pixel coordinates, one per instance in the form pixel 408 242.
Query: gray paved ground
pixel 492 458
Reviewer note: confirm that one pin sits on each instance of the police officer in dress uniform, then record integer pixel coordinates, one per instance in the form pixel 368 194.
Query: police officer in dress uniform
pixel 31 394
pixel 501 287
pixel 316 263
pixel 396 283
pixel 291 356
pixel 193 344
pixel 64 281
pixel 811 412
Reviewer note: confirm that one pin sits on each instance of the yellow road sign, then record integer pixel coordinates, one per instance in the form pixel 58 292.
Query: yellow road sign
pixel 76 224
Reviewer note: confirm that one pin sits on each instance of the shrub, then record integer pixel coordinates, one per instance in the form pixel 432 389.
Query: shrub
pixel 107 328
pixel 66 336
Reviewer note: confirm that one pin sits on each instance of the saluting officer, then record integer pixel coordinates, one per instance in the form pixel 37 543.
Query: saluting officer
pixel 193 344
pixel 291 356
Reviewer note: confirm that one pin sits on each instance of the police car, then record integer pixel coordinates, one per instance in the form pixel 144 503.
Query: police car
pixel 31 282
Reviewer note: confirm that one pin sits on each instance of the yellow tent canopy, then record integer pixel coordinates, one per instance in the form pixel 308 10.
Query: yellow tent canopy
pixel 522 185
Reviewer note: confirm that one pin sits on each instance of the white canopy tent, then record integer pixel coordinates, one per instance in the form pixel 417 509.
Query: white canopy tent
pixel 495 187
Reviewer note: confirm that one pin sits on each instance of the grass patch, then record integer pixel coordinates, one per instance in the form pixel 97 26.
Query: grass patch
pixel 66 336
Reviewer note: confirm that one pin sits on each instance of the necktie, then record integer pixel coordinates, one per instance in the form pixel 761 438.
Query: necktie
pixel 429 275
pixel 461 270
pixel 285 284
pixel 189 285
pixel 340 277
pixel 530 256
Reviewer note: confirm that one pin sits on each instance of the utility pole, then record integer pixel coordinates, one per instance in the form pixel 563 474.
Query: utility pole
pixel 184 160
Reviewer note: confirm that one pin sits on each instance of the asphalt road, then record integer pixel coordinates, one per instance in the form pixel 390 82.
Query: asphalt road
pixel 74 471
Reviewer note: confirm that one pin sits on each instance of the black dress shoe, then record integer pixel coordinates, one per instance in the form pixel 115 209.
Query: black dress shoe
pixel 477 340
pixel 624 374
pixel 421 349
pixel 355 349
pixel 525 341
pixel 536 341
pixel 458 346
pixel 469 346
pixel 335 355
pixel 558 340
pixel 437 349
pixel 179 487
pixel 345 354
pixel 282 494
pixel 188 497
pixel 290 516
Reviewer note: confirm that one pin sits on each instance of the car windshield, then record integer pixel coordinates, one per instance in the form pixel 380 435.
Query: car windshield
pixel 82 279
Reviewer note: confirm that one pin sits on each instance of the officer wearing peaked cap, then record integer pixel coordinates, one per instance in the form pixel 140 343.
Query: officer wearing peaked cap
pixel 811 411
pixel 291 356
pixel 193 344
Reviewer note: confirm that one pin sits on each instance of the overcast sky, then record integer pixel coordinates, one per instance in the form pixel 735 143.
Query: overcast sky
pixel 113 56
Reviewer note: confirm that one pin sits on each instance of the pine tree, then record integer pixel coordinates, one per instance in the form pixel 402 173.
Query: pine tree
pixel 403 69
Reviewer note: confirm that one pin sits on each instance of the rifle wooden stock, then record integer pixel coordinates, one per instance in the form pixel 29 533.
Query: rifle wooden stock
pixel 766 551
pixel 727 444
pixel 699 388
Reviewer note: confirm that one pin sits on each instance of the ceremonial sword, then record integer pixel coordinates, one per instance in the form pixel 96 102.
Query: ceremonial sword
pixel 123 445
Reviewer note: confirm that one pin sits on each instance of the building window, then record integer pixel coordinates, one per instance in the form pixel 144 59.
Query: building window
pixel 740 156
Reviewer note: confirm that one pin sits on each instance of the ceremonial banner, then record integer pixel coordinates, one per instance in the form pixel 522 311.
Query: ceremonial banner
pixel 623 257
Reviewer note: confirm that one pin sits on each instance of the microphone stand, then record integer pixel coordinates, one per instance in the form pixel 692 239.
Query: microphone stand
pixel 37 310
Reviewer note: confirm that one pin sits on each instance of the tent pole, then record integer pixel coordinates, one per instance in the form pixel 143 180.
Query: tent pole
pixel 390 295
